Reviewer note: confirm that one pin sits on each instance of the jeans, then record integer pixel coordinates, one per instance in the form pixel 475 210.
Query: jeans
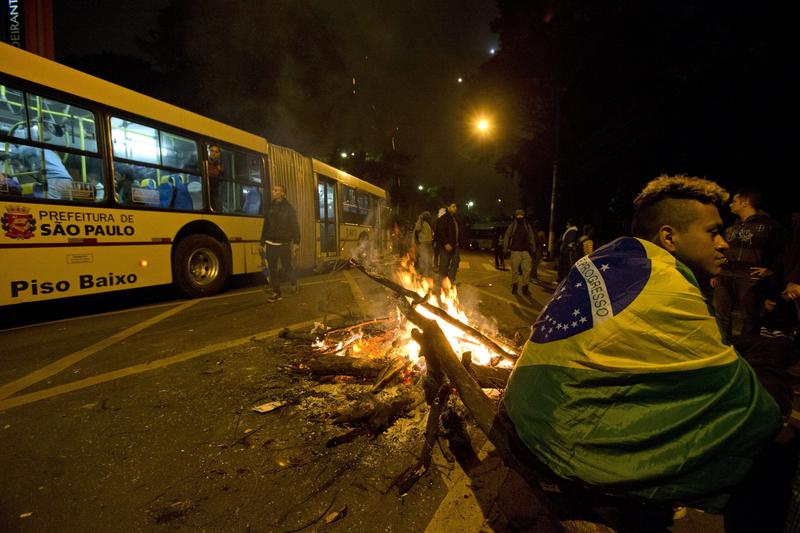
pixel 280 253
pixel 748 294
pixel 448 264
pixel 520 259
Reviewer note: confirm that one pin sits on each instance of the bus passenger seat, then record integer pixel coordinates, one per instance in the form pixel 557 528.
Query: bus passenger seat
pixel 183 200
pixel 166 192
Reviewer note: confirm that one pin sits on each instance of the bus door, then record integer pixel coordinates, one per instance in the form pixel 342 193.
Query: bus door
pixel 327 215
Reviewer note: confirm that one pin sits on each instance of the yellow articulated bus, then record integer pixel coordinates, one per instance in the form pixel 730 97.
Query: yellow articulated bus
pixel 103 189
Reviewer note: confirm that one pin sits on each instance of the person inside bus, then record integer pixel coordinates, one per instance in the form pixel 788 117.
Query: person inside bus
pixel 214 164
pixel 124 182
pixel 215 173
pixel 59 180
pixel 9 186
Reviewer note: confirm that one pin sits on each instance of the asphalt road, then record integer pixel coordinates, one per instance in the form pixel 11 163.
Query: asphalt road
pixel 134 413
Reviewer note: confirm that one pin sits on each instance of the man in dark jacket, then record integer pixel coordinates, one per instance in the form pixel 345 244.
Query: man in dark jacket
pixel 791 266
pixel 755 241
pixel 281 238
pixel 521 241
pixel 446 237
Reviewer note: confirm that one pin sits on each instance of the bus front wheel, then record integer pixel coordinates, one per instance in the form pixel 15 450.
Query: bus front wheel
pixel 199 266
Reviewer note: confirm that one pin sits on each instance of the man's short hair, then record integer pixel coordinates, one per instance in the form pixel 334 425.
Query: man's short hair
pixel 659 203
pixel 753 197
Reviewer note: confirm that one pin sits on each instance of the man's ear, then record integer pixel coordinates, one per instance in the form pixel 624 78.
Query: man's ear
pixel 666 237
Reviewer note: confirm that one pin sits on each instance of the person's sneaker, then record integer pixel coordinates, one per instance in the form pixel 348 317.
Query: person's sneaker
pixel 295 287
pixel 513 288
pixel 526 291
pixel 275 297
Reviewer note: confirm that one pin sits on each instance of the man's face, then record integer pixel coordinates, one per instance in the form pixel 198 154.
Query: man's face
pixel 737 204
pixel 213 153
pixel 278 193
pixel 452 208
pixel 701 245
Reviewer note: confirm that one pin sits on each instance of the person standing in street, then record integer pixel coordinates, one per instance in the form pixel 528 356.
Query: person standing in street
pixel 521 241
pixel 446 237
pixel 791 268
pixel 538 255
pixel 497 247
pixel 755 241
pixel 439 215
pixel 586 241
pixel 423 237
pixel 567 251
pixel 281 238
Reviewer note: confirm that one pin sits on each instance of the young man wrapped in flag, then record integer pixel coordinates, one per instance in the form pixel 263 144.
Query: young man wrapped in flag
pixel 626 384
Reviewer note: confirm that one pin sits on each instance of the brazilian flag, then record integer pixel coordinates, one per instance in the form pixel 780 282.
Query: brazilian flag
pixel 627 386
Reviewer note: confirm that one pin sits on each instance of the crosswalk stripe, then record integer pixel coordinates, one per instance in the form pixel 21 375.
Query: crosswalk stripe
pixel 487 266
pixel 463 265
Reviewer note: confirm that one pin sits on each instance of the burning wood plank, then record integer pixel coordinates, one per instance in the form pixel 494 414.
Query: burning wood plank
pixel 440 355
pixel 346 366
pixel 416 299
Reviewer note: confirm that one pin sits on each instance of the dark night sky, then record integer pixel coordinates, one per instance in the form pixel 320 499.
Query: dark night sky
pixel 410 52
pixel 716 104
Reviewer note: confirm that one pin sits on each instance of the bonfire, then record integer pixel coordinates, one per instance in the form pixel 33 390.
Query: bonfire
pixel 391 337
pixel 396 358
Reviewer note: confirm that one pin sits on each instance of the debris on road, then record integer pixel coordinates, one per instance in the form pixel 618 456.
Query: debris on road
pixel 336 515
pixel 269 406
pixel 172 511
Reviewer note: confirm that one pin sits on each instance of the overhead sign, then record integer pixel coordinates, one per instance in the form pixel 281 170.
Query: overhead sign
pixel 13 23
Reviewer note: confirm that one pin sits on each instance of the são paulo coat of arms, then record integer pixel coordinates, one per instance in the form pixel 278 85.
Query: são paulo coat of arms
pixel 18 222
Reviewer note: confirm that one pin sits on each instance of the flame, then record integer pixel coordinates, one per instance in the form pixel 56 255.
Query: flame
pixel 447 300
pixel 398 341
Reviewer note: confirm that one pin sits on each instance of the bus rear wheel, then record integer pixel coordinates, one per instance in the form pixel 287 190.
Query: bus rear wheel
pixel 199 266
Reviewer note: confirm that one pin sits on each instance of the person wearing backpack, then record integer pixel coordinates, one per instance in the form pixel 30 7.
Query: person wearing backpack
pixel 521 241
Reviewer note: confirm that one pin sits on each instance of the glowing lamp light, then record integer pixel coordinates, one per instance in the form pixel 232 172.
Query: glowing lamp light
pixel 144 263
pixel 420 187
pixel 460 80
pixel 482 124
pixel 343 154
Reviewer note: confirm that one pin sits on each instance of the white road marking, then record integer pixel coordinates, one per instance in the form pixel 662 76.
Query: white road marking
pixel 25 399
pixel 65 362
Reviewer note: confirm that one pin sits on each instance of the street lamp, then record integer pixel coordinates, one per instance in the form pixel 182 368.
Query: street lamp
pixel 421 188
pixel 470 204
pixel 482 125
